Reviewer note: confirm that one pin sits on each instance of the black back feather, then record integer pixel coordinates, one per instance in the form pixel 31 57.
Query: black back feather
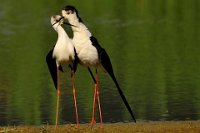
pixel 76 61
pixel 106 63
pixel 51 62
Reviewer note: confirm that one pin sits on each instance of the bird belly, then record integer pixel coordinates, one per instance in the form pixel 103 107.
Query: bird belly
pixel 88 56
pixel 64 60
pixel 63 55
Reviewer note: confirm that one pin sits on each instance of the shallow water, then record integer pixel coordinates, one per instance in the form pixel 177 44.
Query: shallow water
pixel 153 46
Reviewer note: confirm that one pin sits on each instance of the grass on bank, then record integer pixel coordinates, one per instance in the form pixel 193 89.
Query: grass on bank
pixel 140 127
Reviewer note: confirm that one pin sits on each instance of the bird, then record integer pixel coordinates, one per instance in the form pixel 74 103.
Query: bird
pixel 62 53
pixel 91 54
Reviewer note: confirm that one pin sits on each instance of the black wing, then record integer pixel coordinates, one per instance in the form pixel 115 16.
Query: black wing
pixel 106 63
pixel 103 56
pixel 51 62
pixel 76 61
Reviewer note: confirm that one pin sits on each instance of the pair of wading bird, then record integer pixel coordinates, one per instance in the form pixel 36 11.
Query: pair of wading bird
pixel 83 48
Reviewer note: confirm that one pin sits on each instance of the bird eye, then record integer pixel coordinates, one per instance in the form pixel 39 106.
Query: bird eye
pixel 68 12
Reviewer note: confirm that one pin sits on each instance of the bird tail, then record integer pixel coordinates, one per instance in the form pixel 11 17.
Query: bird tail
pixel 122 96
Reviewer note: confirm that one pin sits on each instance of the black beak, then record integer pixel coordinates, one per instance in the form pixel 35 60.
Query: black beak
pixel 57 21
pixel 64 22
pixel 69 24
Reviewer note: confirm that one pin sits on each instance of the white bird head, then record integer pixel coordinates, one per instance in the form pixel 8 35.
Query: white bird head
pixel 70 13
pixel 56 20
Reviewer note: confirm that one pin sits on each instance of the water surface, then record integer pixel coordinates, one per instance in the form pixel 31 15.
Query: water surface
pixel 153 46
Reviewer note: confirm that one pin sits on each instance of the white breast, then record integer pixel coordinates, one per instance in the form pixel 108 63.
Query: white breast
pixel 87 53
pixel 64 52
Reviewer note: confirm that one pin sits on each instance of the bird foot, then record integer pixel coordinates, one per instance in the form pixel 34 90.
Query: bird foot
pixel 92 122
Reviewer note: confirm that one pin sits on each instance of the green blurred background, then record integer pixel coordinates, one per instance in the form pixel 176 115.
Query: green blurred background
pixel 153 45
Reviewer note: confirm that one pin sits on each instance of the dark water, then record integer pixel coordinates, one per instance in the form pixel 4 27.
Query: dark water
pixel 153 45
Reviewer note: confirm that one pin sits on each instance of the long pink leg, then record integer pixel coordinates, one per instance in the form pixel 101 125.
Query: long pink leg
pixel 74 92
pixel 94 102
pixel 58 97
pixel 96 94
pixel 99 105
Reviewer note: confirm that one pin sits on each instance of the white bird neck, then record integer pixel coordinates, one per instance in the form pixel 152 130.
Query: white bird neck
pixel 80 31
pixel 74 21
pixel 62 35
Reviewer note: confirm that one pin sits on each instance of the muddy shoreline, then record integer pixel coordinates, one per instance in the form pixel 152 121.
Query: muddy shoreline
pixel 139 127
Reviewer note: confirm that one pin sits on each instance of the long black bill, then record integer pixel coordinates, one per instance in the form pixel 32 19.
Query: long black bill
pixel 64 22
pixel 69 24
pixel 57 21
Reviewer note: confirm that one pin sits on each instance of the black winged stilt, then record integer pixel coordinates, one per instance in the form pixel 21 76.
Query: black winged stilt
pixel 91 54
pixel 62 53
